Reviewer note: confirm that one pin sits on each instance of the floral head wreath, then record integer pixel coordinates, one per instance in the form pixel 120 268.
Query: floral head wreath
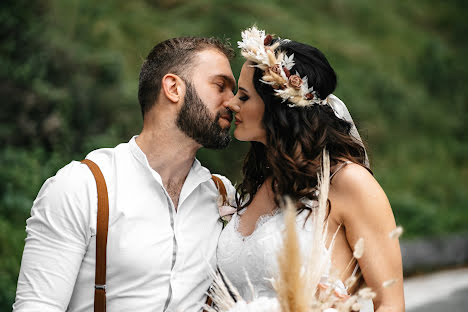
pixel 276 67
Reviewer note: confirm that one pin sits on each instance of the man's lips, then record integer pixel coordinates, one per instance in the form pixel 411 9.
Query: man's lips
pixel 228 117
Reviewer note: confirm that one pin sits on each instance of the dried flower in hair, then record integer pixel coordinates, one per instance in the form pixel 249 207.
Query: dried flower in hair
pixel 309 96
pixel 271 55
pixel 268 39
pixel 276 69
pixel 359 248
pixel 259 48
pixel 295 81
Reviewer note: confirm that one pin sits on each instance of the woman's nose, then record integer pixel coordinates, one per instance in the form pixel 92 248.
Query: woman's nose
pixel 232 105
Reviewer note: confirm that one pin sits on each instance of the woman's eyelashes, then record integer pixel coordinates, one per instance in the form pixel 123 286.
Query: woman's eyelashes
pixel 243 98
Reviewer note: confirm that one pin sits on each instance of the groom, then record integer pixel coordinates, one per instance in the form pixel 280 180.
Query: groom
pixel 163 216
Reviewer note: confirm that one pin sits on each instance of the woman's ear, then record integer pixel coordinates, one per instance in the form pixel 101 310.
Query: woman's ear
pixel 173 88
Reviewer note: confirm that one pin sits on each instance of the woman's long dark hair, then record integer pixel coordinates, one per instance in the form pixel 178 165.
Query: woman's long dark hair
pixel 296 136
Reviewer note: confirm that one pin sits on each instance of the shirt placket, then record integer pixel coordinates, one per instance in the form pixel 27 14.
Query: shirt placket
pixel 172 216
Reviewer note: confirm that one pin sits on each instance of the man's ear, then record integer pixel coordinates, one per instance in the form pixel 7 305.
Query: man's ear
pixel 173 87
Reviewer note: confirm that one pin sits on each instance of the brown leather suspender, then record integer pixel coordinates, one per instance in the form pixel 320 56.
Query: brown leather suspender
pixel 101 237
pixel 101 233
pixel 221 188
pixel 222 191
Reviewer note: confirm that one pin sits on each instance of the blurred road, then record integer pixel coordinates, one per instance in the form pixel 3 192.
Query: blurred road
pixel 445 291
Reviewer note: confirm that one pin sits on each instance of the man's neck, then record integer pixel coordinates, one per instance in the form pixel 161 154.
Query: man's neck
pixel 169 152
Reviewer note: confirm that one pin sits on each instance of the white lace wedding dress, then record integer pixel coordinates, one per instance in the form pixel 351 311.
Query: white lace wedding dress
pixel 254 256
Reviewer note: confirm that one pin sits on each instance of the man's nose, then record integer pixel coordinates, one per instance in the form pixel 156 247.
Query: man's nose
pixel 232 105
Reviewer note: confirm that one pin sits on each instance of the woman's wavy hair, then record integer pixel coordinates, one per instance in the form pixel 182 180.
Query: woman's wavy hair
pixel 296 136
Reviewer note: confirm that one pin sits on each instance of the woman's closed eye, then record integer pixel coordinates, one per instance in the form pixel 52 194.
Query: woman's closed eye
pixel 243 98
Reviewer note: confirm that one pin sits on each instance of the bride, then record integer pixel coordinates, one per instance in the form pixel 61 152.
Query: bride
pixel 285 107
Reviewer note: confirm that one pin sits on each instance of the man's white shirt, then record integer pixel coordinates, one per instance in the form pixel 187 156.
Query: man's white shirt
pixel 158 258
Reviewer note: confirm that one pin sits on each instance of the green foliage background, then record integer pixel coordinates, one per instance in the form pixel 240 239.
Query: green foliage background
pixel 69 77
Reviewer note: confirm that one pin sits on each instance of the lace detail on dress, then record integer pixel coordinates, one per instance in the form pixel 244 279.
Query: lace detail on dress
pixel 253 256
pixel 260 221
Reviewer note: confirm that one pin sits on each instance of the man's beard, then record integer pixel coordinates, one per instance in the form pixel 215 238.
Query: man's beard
pixel 194 119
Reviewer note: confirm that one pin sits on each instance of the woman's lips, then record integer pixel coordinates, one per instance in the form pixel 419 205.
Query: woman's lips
pixel 238 120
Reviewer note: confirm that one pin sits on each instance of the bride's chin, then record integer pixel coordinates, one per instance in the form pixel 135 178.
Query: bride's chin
pixel 238 135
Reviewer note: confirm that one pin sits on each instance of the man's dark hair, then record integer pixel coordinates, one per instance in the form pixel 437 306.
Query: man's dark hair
pixel 174 56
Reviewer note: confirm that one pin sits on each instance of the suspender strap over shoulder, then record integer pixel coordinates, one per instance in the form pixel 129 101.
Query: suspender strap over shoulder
pixel 221 188
pixel 101 237
pixel 222 191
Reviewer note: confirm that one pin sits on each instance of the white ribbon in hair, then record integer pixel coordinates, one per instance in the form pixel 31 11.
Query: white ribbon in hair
pixel 342 112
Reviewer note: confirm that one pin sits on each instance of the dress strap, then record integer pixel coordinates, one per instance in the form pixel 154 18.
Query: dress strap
pixel 340 167
pixel 356 268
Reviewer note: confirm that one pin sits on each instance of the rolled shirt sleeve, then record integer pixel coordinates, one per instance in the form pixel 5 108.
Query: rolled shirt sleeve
pixel 58 233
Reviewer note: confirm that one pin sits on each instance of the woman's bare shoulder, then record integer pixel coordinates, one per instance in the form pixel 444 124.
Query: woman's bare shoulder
pixel 352 174
pixel 354 186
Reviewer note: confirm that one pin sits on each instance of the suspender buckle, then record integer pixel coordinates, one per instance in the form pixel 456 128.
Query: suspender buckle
pixel 97 286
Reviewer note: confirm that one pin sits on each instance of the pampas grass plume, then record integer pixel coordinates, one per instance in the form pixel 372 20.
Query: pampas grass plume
pixel 359 248
pixel 396 233
pixel 290 283
pixel 388 283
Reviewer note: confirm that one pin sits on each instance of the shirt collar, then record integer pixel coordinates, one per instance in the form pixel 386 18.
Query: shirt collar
pixel 197 174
